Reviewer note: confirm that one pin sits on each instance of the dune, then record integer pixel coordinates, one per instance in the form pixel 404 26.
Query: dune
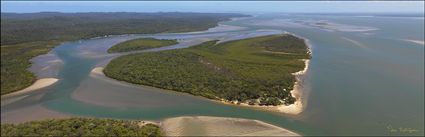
pixel 220 126
pixel 40 83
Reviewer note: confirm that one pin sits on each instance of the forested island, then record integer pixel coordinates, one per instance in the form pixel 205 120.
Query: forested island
pixel 81 127
pixel 140 44
pixel 256 71
pixel 26 35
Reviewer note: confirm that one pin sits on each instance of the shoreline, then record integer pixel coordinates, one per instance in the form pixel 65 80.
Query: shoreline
pixel 296 92
pixel 292 109
pixel 38 84
pixel 220 126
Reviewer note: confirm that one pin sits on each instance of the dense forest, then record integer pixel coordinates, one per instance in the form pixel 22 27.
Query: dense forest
pixel 26 35
pixel 15 61
pixel 140 44
pixel 255 70
pixel 76 127
pixel 29 27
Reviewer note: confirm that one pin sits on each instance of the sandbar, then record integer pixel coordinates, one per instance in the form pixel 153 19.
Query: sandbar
pixel 32 113
pixel 40 83
pixel 420 42
pixel 220 126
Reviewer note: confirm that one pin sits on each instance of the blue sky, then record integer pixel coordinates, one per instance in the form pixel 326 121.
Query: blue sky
pixel 213 6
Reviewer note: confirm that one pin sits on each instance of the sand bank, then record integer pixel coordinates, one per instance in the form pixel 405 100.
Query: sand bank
pixel 36 112
pixel 420 42
pixel 220 126
pixel 40 83
pixel 98 71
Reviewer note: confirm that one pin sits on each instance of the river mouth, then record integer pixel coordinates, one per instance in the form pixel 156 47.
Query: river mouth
pixel 354 82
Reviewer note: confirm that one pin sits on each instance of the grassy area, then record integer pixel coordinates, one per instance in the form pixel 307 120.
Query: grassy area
pixel 140 44
pixel 15 61
pixel 80 127
pixel 27 35
pixel 255 70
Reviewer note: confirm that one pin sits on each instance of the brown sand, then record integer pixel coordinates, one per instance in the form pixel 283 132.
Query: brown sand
pixel 41 83
pixel 31 113
pixel 220 126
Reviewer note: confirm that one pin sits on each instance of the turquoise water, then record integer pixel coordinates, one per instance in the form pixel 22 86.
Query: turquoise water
pixel 358 82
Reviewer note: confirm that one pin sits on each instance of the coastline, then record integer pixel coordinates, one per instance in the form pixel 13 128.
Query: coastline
pixel 296 92
pixel 38 84
pixel 220 126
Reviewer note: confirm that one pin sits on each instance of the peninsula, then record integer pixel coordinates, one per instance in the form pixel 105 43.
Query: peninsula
pixel 257 71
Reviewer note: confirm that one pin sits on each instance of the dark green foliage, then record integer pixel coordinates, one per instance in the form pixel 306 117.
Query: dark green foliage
pixel 271 101
pixel 287 44
pixel 27 27
pixel 15 61
pixel 237 70
pixel 140 44
pixel 80 127
pixel 27 35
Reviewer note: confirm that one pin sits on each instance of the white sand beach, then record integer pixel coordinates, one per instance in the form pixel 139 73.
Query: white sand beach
pixel 220 126
pixel 98 71
pixel 297 93
pixel 40 83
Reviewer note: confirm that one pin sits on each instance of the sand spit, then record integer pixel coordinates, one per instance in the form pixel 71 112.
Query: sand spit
pixel 98 71
pixel 420 42
pixel 40 83
pixel 220 126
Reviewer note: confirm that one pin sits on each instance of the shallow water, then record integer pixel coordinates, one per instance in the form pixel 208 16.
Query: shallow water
pixel 362 82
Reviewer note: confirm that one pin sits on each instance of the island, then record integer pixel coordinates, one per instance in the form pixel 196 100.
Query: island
pixel 140 44
pixel 257 71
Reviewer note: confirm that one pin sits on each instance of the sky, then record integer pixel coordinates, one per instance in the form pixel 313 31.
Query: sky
pixel 215 6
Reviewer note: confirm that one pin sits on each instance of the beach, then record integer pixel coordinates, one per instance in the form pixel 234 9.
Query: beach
pixel 297 93
pixel 292 109
pixel 97 71
pixel 40 83
pixel 220 126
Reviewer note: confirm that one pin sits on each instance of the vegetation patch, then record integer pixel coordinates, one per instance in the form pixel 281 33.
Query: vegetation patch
pixel 80 127
pixel 141 44
pixel 15 61
pixel 235 71
pixel 26 35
